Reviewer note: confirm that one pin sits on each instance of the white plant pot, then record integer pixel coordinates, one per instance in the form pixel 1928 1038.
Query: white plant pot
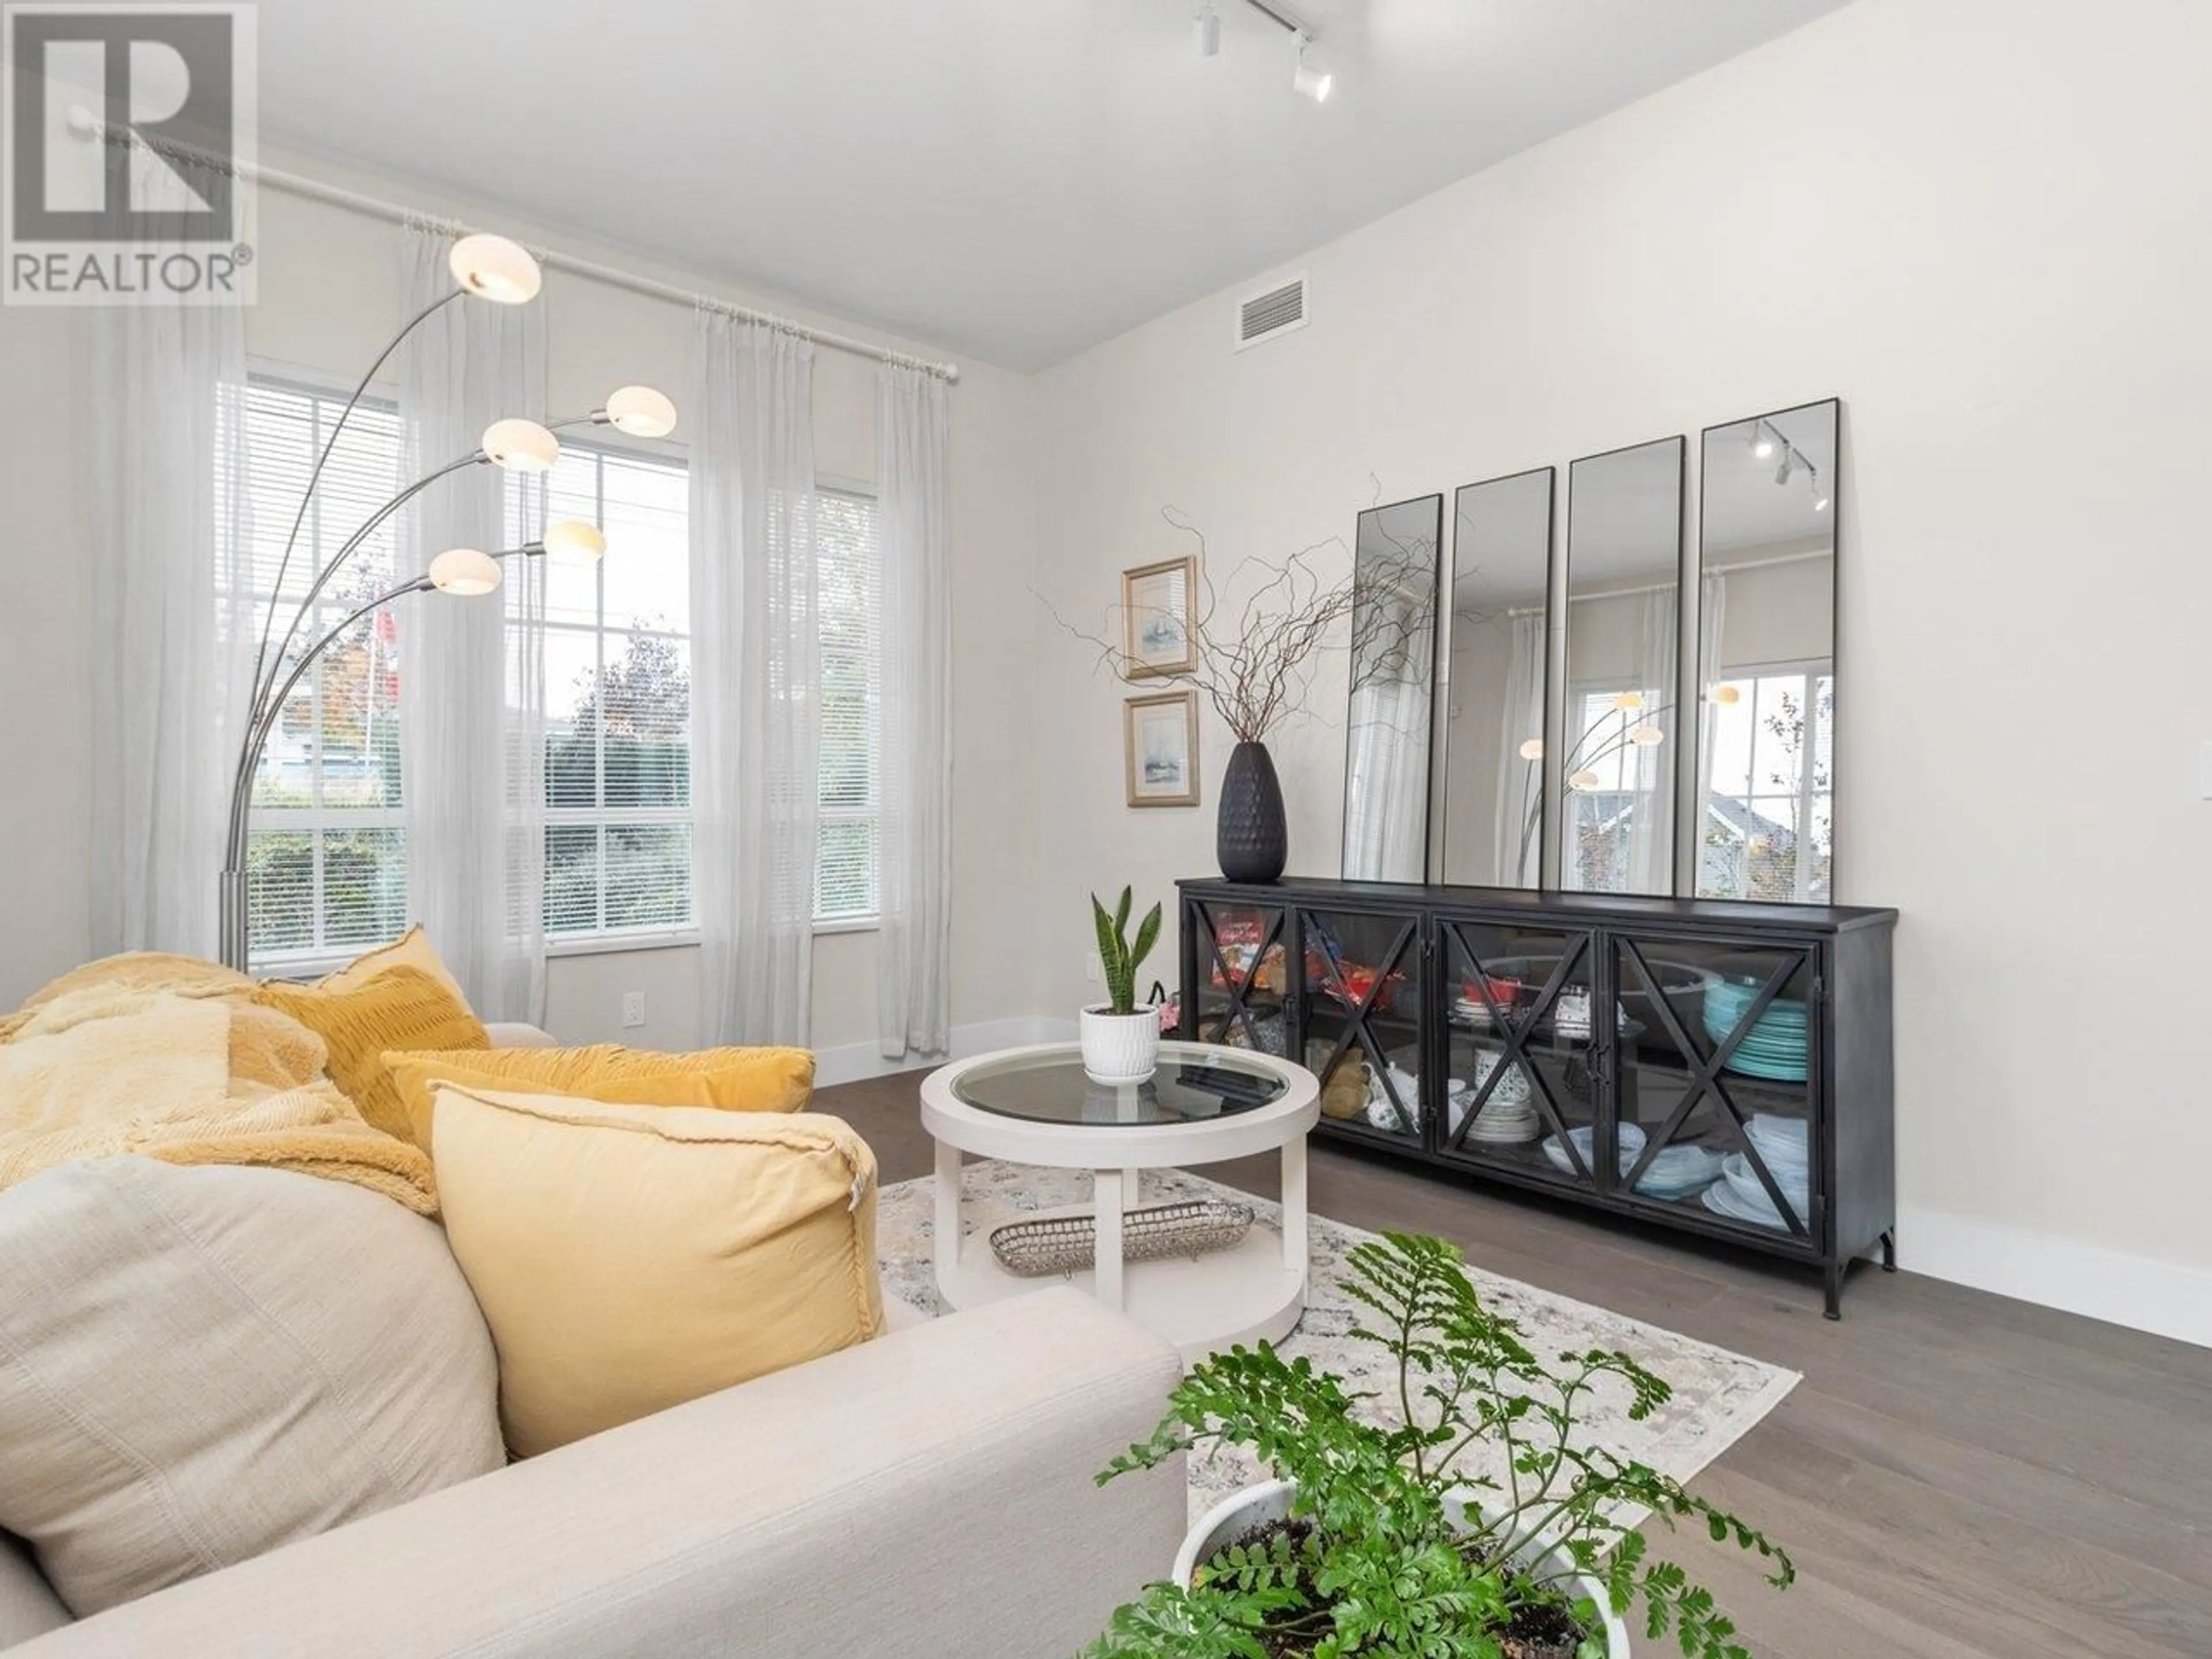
pixel 1270 1500
pixel 1121 1048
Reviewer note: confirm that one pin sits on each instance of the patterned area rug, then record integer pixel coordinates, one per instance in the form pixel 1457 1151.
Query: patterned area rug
pixel 1718 1395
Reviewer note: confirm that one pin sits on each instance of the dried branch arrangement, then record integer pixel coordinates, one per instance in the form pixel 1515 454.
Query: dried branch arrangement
pixel 1255 656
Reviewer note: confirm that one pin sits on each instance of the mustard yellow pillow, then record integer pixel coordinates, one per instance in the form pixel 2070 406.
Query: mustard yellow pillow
pixel 631 1258
pixel 728 1079
pixel 412 949
pixel 402 1007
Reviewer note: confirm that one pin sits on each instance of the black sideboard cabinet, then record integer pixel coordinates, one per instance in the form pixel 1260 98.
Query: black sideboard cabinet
pixel 1742 1088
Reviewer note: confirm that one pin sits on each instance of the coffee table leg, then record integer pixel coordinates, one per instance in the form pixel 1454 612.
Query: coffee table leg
pixel 946 1244
pixel 1106 1211
pixel 1294 1206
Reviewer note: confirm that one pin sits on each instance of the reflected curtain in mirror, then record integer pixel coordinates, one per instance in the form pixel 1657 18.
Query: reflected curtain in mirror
pixel 1765 822
pixel 1621 727
pixel 1493 754
pixel 1393 678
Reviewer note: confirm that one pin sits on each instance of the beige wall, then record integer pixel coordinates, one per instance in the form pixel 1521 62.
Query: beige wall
pixel 329 299
pixel 1980 221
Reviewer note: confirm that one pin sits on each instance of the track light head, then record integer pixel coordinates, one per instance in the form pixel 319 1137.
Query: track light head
pixel 1206 30
pixel 1782 472
pixel 1819 495
pixel 1306 80
pixel 1762 442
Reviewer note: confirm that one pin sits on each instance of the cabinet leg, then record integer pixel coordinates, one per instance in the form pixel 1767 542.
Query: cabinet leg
pixel 1889 1251
pixel 1832 1282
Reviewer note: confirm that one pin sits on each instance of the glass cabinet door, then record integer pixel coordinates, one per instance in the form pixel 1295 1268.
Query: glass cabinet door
pixel 1726 1039
pixel 1243 976
pixel 1362 1003
pixel 1523 1073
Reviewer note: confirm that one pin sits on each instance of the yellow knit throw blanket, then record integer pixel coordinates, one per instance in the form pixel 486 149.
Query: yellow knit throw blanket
pixel 164 1056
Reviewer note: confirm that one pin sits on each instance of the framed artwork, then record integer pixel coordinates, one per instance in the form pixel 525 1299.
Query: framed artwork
pixel 1160 749
pixel 1155 631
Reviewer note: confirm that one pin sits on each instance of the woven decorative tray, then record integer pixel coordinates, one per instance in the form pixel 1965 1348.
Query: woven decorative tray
pixel 1067 1244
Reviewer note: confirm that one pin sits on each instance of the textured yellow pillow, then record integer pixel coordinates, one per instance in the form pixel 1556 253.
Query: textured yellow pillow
pixel 631 1258
pixel 730 1079
pixel 412 949
pixel 401 1007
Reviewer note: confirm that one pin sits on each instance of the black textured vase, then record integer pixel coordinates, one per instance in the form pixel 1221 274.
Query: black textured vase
pixel 1249 840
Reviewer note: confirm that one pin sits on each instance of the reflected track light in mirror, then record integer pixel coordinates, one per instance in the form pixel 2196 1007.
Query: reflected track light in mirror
pixel 1762 442
pixel 1206 30
pixel 1305 79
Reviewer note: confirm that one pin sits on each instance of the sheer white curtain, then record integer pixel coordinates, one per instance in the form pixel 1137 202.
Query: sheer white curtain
pixel 1387 780
pixel 1712 633
pixel 1520 780
pixel 914 845
pixel 756 673
pixel 176 621
pixel 1651 825
pixel 472 691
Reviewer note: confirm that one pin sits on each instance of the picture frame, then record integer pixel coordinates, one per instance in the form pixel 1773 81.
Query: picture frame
pixel 1155 617
pixel 1160 749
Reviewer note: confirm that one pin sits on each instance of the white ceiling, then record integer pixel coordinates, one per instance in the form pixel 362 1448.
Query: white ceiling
pixel 1016 179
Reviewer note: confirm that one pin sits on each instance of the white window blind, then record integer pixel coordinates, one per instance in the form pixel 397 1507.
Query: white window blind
pixel 850 597
pixel 618 701
pixel 326 853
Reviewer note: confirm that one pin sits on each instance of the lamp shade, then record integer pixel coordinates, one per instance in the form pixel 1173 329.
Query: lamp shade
pixel 1645 735
pixel 574 539
pixel 520 446
pixel 1584 779
pixel 465 572
pixel 494 268
pixel 1532 748
pixel 641 411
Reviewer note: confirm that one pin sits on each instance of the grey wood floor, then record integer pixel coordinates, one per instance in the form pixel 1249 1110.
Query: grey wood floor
pixel 1958 1474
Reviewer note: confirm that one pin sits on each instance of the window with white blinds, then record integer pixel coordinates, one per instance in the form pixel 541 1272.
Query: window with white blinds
pixel 850 597
pixel 326 853
pixel 618 700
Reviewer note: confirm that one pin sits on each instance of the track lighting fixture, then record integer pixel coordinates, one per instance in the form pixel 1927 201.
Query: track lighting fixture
pixel 1205 29
pixel 1304 78
pixel 1782 472
pixel 1762 442
pixel 1819 495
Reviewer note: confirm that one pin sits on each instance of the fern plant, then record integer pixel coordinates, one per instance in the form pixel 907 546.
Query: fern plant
pixel 1393 1549
pixel 1118 956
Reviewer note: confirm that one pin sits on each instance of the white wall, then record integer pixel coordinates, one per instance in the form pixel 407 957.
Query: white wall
pixel 329 299
pixel 1983 224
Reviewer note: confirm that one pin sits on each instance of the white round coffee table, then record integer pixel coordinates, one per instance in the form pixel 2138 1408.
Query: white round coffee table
pixel 1205 1104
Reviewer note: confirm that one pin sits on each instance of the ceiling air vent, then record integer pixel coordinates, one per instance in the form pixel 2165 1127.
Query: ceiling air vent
pixel 1275 311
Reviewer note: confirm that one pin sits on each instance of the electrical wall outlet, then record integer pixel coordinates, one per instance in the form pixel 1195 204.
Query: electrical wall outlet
pixel 1094 971
pixel 633 1009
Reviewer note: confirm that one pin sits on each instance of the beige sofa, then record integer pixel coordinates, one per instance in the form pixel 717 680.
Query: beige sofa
pixel 928 1493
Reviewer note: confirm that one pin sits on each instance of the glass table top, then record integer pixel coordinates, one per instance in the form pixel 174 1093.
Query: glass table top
pixel 1192 1085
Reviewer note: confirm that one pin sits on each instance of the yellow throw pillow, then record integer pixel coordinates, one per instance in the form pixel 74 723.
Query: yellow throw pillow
pixel 411 948
pixel 729 1080
pixel 402 1007
pixel 631 1258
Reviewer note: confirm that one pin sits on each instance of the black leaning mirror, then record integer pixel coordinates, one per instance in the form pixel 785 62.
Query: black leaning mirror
pixel 1766 636
pixel 1493 746
pixel 1393 684
pixel 1621 728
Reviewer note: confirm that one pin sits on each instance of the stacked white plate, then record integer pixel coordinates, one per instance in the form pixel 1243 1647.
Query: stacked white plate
pixel 1740 1195
pixel 1679 1172
pixel 1508 1118
pixel 1629 1147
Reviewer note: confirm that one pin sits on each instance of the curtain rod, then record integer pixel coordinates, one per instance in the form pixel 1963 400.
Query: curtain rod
pixel 315 189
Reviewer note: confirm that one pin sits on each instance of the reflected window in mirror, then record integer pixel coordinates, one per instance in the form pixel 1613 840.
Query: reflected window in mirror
pixel 1390 708
pixel 1766 647
pixel 1621 735
pixel 1493 750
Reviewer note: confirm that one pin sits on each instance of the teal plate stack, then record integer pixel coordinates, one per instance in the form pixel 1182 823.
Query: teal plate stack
pixel 1774 1049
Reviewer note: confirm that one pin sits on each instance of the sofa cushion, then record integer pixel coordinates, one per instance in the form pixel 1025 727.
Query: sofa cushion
pixel 29 1605
pixel 198 1365
pixel 629 1258
pixel 404 1007
pixel 729 1080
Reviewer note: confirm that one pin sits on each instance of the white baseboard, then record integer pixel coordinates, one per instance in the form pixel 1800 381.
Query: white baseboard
pixel 2159 1297
pixel 856 1061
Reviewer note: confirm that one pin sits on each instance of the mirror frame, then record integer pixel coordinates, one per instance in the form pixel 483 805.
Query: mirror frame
pixel 1428 749
pixel 1685 870
pixel 1440 766
pixel 1555 720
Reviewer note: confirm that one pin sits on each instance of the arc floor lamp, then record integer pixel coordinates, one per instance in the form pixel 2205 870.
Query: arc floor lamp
pixel 484 267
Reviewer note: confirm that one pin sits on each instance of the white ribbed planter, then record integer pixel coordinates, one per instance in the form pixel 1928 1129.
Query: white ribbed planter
pixel 1121 1048
pixel 1270 1500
